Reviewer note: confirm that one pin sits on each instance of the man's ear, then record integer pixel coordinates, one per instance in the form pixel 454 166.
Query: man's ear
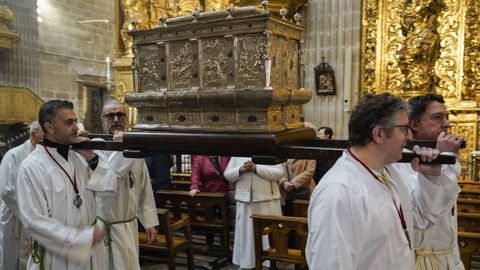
pixel 414 125
pixel 378 134
pixel 49 127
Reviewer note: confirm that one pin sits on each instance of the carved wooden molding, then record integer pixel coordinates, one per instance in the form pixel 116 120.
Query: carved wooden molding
pixel 18 105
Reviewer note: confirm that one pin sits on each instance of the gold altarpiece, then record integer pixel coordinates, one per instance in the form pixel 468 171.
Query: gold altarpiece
pixel 414 47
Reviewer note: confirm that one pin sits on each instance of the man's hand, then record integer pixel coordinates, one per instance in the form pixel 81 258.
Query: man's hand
pixel 288 186
pixel 193 192
pixel 448 142
pixel 151 234
pixel 118 136
pixel 86 153
pixel 98 234
pixel 426 155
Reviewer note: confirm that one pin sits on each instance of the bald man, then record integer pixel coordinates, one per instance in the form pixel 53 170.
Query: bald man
pixel 13 240
pixel 133 199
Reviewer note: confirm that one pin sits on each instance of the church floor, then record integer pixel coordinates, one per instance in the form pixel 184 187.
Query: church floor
pixel 151 266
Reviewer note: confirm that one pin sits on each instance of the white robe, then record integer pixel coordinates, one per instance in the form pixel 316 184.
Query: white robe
pixel 12 234
pixel 440 238
pixel 128 202
pixel 353 222
pixel 261 189
pixel 45 199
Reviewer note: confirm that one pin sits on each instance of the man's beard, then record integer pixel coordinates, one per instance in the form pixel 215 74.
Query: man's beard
pixel 114 128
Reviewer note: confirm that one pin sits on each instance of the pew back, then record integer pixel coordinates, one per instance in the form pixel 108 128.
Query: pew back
pixel 278 229
pixel 168 242
pixel 300 208
pixel 207 212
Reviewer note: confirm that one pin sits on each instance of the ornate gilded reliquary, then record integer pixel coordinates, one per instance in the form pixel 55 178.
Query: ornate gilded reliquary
pixel 219 71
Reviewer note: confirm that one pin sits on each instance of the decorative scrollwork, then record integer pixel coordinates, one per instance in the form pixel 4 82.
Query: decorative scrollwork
pixel 471 62
pixel 447 67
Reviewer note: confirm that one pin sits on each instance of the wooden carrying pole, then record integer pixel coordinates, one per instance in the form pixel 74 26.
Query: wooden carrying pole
pixel 262 147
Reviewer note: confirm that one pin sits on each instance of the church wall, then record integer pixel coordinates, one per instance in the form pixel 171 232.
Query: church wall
pixel 19 66
pixel 333 30
pixel 69 48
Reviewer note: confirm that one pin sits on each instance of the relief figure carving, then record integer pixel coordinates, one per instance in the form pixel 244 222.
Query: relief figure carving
pixel 251 58
pixel 215 63
pixel 181 65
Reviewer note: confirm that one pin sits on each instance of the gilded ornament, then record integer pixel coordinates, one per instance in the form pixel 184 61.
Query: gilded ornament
pixel 132 10
pixel 8 37
pixel 283 13
pixel 297 17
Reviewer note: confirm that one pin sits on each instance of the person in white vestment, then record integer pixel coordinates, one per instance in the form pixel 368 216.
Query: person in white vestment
pixel 133 198
pixel 13 240
pixel 56 189
pixel 436 247
pixel 362 213
pixel 256 192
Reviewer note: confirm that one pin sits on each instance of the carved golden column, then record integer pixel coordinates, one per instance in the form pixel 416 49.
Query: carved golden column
pixel 132 10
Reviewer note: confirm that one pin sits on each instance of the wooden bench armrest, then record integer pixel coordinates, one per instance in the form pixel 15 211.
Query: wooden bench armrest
pixel 469 235
pixel 279 218
pixel 184 221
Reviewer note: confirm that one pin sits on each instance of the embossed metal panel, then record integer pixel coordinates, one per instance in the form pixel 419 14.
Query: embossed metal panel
pixel 149 67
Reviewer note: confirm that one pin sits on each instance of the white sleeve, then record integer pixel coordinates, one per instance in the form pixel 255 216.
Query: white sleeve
pixel 433 196
pixel 65 241
pixel 452 171
pixel 271 172
pixel 8 178
pixel 147 210
pixel 232 173
pixel 103 180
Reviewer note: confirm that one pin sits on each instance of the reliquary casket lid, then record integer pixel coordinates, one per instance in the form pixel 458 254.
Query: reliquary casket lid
pixel 238 71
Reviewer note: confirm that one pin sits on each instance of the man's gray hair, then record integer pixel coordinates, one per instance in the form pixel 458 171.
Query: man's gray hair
pixel 35 126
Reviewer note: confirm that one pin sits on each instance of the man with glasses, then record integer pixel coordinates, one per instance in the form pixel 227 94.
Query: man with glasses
pixel 362 214
pixel 133 198
pixel 436 247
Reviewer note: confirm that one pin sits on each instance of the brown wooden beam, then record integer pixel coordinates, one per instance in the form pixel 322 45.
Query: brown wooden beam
pixel 265 148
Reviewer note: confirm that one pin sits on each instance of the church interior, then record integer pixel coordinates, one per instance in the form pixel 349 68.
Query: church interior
pixel 277 62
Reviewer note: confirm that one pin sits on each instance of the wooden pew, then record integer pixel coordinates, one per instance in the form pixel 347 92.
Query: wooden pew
pixel 167 242
pixel 471 206
pixel 208 213
pixel 470 190
pixel 469 194
pixel 469 239
pixel 180 176
pixel 278 229
pixel 469 185
pixel 469 245
pixel 181 181
pixel 300 207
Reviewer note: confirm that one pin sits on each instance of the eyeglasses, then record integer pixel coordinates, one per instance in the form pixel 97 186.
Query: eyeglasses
pixel 403 128
pixel 111 116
